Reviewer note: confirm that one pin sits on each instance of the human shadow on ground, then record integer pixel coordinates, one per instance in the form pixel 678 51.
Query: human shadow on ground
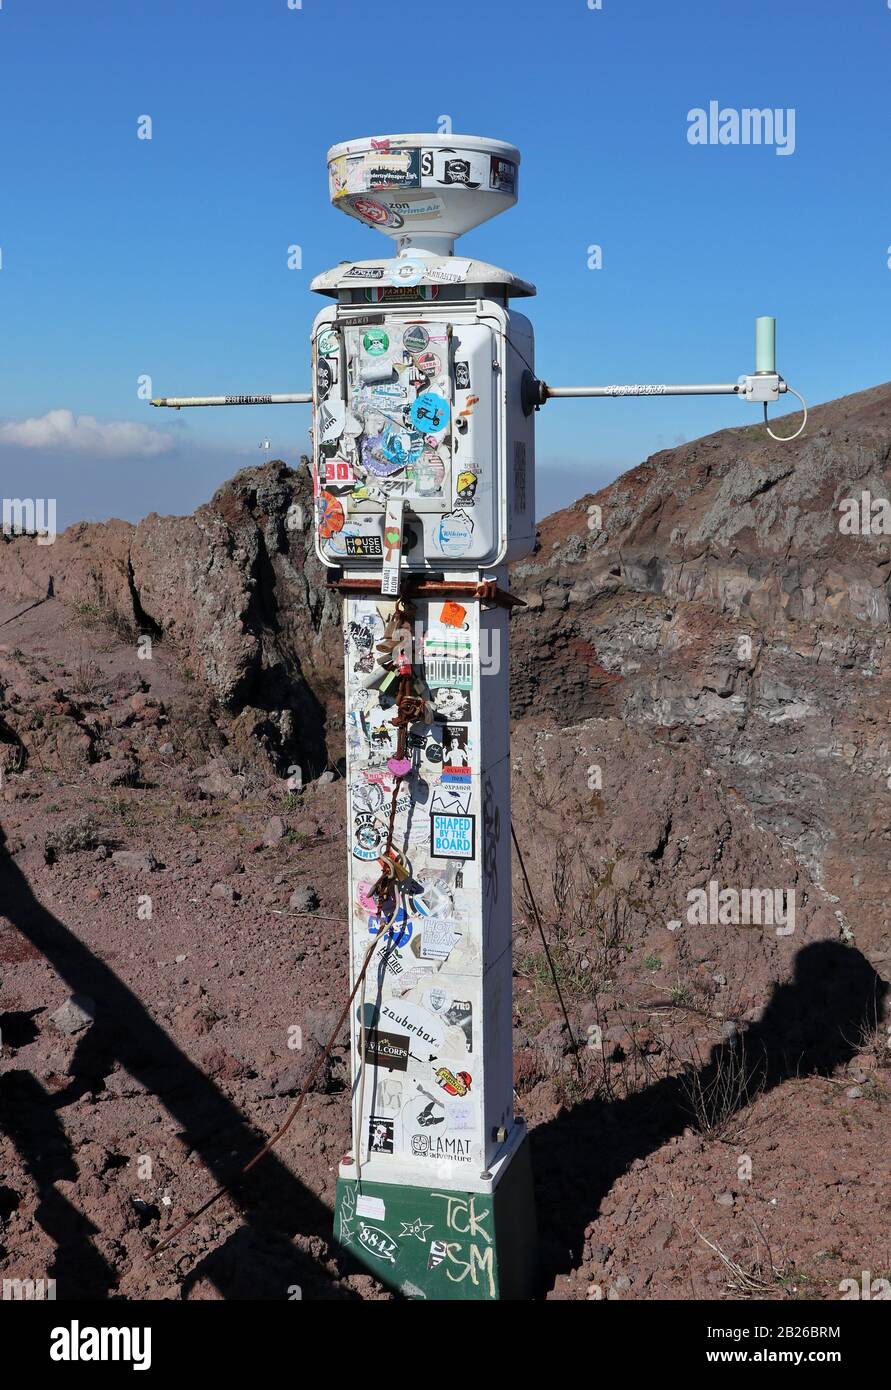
pixel 256 1261
pixel 811 1026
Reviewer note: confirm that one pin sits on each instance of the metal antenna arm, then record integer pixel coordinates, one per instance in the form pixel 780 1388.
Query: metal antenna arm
pixel 764 386
pixel 177 402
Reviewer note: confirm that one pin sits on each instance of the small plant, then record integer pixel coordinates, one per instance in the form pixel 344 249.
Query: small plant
pixel 74 835
pixel 717 1091
pixel 652 962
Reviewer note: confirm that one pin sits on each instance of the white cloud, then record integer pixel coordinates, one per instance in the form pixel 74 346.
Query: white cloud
pixel 84 434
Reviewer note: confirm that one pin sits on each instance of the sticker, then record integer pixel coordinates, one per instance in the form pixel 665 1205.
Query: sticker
pixel 459 170
pixel 460 1115
pixel 422 1028
pixel 429 363
pixel 388 1050
pixel 454 534
pixel 368 838
pixel 378 1243
pixel 448 661
pixel 438 938
pixel 503 175
pixel 375 342
pixel 456 776
pixel 407 271
pixel 397 929
pixel 380 1135
pixel 450 703
pixel 425 207
pixel 361 547
pixel 415 338
pixel 391 450
pixel 430 413
pixel 467 485
pixel 455 741
pixel 375 213
pixel 384 294
pixel 442 1147
pixel 328 343
pixel 459 1015
pixel 452 837
pixel 331 416
pixel 339 471
pixel 453 801
pixel 371 1206
pixel 392 546
pixel 452 614
pixel 330 514
pixel 450 272
pixel 326 374
pixel 366 798
pixel 438 1251
pixel 454 1084
pixel 462 376
pixel 398 169
pixel 365 272
pixel 429 474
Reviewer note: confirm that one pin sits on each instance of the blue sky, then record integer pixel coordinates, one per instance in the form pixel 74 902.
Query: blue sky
pixel 124 257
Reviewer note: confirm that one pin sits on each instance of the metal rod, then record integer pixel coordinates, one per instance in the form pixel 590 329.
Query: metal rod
pixel 715 389
pixel 177 402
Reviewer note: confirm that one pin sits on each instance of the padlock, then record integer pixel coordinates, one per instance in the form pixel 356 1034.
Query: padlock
pixel 395 865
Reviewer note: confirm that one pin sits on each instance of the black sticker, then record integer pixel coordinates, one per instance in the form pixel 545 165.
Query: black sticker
pixel 363 545
pixel 388 1050
pixel 462 376
pixel 380 1135
pixel 325 375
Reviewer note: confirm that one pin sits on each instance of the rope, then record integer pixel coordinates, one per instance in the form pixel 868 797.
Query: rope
pixel 547 950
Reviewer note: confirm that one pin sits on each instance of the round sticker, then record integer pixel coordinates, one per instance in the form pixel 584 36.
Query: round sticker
pixel 429 363
pixel 430 413
pixel 407 272
pixel 415 338
pixel 376 213
pixel 393 449
pixel 328 343
pixel 368 836
pixel 376 342
pixel 454 534
pixel 330 515
pixel 398 928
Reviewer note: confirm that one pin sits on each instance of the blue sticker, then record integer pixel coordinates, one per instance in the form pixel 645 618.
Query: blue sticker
pixel 398 928
pixel 430 413
pixel 454 534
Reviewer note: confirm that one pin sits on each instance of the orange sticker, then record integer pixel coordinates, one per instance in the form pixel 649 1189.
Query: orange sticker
pixel 453 614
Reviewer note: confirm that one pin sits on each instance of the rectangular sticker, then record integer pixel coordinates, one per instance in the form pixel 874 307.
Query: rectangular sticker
pixel 452 837
pixel 388 1050
pixel 373 1206
pixel 392 547
pixel 364 545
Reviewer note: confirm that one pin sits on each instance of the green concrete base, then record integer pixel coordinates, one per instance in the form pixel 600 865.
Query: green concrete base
pixel 436 1243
